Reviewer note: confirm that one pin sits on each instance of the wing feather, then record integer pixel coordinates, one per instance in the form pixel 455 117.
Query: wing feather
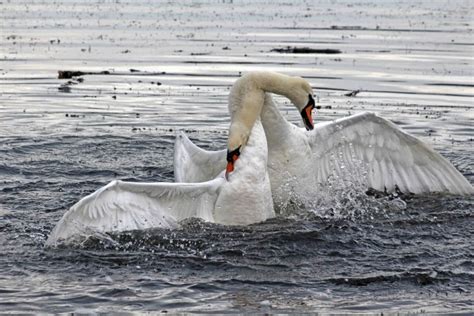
pixel 193 164
pixel 393 157
pixel 121 206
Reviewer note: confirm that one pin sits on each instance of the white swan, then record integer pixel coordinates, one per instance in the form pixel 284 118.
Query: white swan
pixel 244 198
pixel 120 206
pixel 302 159
pixel 193 164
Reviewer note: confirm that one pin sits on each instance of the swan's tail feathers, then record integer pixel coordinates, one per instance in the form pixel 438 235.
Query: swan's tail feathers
pixel 193 164
pixel 388 158
pixel 122 206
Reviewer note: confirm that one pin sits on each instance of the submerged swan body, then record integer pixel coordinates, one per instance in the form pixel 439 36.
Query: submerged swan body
pixel 301 160
pixel 243 198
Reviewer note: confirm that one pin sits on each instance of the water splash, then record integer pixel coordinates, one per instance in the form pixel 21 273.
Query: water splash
pixel 344 194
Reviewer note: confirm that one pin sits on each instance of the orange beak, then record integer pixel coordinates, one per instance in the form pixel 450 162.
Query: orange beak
pixel 307 114
pixel 229 169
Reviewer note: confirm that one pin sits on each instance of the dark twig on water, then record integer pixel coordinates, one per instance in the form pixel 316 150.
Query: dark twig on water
pixel 352 93
pixel 305 50
pixel 64 88
pixel 68 74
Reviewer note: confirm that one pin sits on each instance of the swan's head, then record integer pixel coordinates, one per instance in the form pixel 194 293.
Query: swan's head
pixel 239 134
pixel 301 95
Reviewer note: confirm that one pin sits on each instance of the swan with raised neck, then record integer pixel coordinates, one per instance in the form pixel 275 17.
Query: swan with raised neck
pixel 246 100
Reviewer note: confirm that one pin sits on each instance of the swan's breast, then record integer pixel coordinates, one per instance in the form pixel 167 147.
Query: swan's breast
pixel 246 198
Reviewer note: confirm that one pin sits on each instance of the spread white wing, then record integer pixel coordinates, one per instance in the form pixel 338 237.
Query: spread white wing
pixel 193 164
pixel 121 206
pixel 392 157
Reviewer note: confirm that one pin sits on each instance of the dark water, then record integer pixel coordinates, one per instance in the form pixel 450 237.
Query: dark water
pixel 169 68
pixel 370 259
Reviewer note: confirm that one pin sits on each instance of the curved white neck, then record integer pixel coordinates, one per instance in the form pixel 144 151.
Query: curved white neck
pixel 274 123
pixel 246 101
pixel 272 82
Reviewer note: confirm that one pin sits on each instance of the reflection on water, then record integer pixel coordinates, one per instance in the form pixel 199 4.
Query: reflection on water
pixel 170 68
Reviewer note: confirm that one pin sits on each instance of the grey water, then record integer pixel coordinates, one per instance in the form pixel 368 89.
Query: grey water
pixel 169 67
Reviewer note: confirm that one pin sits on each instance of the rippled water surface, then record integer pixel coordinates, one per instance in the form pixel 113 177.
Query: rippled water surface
pixel 153 68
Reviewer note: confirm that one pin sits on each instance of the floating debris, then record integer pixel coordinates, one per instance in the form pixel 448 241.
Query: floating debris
pixel 68 74
pixel 73 115
pixel 64 88
pixel 306 50
pixel 352 93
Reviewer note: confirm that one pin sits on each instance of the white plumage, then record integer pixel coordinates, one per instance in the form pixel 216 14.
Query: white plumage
pixel 392 157
pixel 194 164
pixel 121 206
